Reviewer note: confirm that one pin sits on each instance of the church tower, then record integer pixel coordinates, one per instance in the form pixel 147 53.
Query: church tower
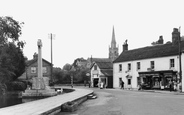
pixel 113 50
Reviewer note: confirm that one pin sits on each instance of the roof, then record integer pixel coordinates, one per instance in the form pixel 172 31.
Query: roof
pixel 108 72
pixel 101 60
pixel 29 62
pixel 150 52
pixel 103 63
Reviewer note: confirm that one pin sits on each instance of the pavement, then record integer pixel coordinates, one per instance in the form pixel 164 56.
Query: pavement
pixel 45 106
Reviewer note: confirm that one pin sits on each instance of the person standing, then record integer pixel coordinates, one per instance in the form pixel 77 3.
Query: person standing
pixel 122 85
pixel 170 85
pixel 84 83
pixel 89 83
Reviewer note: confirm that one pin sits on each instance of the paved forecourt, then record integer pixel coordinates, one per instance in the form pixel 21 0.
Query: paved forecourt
pixel 44 106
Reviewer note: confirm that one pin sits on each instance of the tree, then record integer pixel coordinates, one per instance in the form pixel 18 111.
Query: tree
pixel 57 74
pixel 12 62
pixel 10 29
pixel 67 67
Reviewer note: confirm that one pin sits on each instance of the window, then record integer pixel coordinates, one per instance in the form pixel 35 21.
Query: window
pixel 138 65
pixel 152 64
pixel 44 70
pixel 129 81
pixel 95 67
pixel 129 66
pixel 171 63
pixel 120 79
pixel 33 69
pixel 120 67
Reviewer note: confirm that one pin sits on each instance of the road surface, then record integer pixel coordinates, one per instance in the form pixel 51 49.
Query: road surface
pixel 125 102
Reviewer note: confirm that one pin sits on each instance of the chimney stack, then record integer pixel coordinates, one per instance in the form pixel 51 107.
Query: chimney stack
pixel 175 36
pixel 161 40
pixel 35 56
pixel 125 46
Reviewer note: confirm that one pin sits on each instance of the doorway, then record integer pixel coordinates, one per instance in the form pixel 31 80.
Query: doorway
pixel 95 82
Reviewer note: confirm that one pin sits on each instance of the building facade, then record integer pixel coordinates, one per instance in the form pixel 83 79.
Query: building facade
pixel 101 72
pixel 101 68
pixel 32 69
pixel 154 65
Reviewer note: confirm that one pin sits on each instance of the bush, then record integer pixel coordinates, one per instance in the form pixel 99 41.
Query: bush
pixel 16 86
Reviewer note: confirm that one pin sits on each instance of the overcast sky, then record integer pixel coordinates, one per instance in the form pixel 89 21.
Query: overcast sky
pixel 84 27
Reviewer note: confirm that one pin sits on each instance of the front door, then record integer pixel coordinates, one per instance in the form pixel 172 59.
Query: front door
pixel 149 81
pixel 95 82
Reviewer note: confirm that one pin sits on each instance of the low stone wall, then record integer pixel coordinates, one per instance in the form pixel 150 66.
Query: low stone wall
pixel 72 106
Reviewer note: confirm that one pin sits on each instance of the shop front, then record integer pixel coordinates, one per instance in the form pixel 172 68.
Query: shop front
pixel 157 79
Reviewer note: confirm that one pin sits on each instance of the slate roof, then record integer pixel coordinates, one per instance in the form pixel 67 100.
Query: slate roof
pixel 29 62
pixel 150 52
pixel 101 60
pixel 104 65
pixel 107 72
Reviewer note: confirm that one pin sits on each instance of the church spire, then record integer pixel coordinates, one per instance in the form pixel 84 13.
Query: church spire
pixel 113 50
pixel 113 42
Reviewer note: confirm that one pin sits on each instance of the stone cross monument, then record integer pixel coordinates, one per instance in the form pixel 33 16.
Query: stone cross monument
pixel 38 82
pixel 40 73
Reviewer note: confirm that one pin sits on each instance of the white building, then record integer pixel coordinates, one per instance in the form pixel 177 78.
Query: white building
pixel 101 71
pixel 152 65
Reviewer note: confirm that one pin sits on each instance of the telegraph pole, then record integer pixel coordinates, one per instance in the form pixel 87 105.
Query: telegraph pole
pixel 51 37
pixel 180 70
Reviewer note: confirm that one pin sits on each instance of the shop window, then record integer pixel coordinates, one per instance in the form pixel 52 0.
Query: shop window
pixel 138 65
pixel 120 67
pixel 152 64
pixel 171 63
pixel 156 81
pixel 129 66
pixel 129 81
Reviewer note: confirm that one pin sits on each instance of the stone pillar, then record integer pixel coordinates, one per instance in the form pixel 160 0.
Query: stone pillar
pixel 38 82
pixel 40 73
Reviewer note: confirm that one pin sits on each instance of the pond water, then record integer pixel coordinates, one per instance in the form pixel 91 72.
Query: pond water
pixel 8 100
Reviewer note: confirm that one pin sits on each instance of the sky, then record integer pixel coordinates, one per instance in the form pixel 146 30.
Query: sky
pixel 83 28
